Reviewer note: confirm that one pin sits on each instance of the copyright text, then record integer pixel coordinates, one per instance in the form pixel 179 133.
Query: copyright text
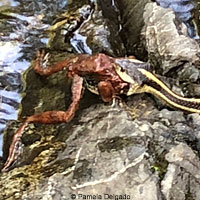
pixel 100 196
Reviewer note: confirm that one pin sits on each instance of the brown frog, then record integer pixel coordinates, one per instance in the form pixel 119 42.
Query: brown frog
pixel 111 77
pixel 99 67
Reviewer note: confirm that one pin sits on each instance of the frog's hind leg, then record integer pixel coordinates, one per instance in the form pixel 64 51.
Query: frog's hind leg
pixel 48 117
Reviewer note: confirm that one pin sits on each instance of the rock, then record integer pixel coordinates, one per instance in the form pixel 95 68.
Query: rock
pixel 88 28
pixel 183 169
pixel 103 151
pixel 184 10
pixel 166 40
pixel 104 155
pixel 132 22
pixel 134 152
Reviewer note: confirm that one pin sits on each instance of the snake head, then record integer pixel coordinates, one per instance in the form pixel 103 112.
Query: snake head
pixel 128 71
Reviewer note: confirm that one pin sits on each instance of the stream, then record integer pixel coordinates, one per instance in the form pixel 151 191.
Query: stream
pixel 22 25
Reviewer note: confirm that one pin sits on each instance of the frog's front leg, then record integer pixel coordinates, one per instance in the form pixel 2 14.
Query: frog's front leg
pixel 106 90
pixel 48 117
pixel 42 57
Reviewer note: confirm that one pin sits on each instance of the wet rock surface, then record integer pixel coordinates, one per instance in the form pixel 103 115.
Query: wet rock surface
pixel 22 32
pixel 103 151
pixel 90 28
pixel 143 151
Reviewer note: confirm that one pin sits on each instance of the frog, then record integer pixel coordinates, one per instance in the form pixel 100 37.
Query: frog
pixel 103 75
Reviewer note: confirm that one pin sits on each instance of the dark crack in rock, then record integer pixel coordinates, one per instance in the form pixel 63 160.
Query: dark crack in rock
pixel 132 22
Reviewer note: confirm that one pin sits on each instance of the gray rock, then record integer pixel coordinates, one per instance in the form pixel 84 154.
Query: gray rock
pixel 184 11
pixel 138 152
pixel 166 40
pixel 132 22
pixel 183 169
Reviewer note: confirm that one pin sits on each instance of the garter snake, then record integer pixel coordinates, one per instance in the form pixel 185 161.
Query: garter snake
pixel 142 80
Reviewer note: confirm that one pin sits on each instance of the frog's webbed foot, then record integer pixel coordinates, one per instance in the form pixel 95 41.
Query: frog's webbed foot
pixel 41 63
pixel 15 149
pixel 42 57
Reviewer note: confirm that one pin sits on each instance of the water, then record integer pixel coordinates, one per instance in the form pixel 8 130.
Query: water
pixel 22 28
pixel 184 10
pixel 9 3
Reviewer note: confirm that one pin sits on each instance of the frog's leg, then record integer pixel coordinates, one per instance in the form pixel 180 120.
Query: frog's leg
pixel 42 59
pixel 48 117
pixel 106 90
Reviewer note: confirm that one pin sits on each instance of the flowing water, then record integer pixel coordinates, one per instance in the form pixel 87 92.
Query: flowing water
pixel 22 25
